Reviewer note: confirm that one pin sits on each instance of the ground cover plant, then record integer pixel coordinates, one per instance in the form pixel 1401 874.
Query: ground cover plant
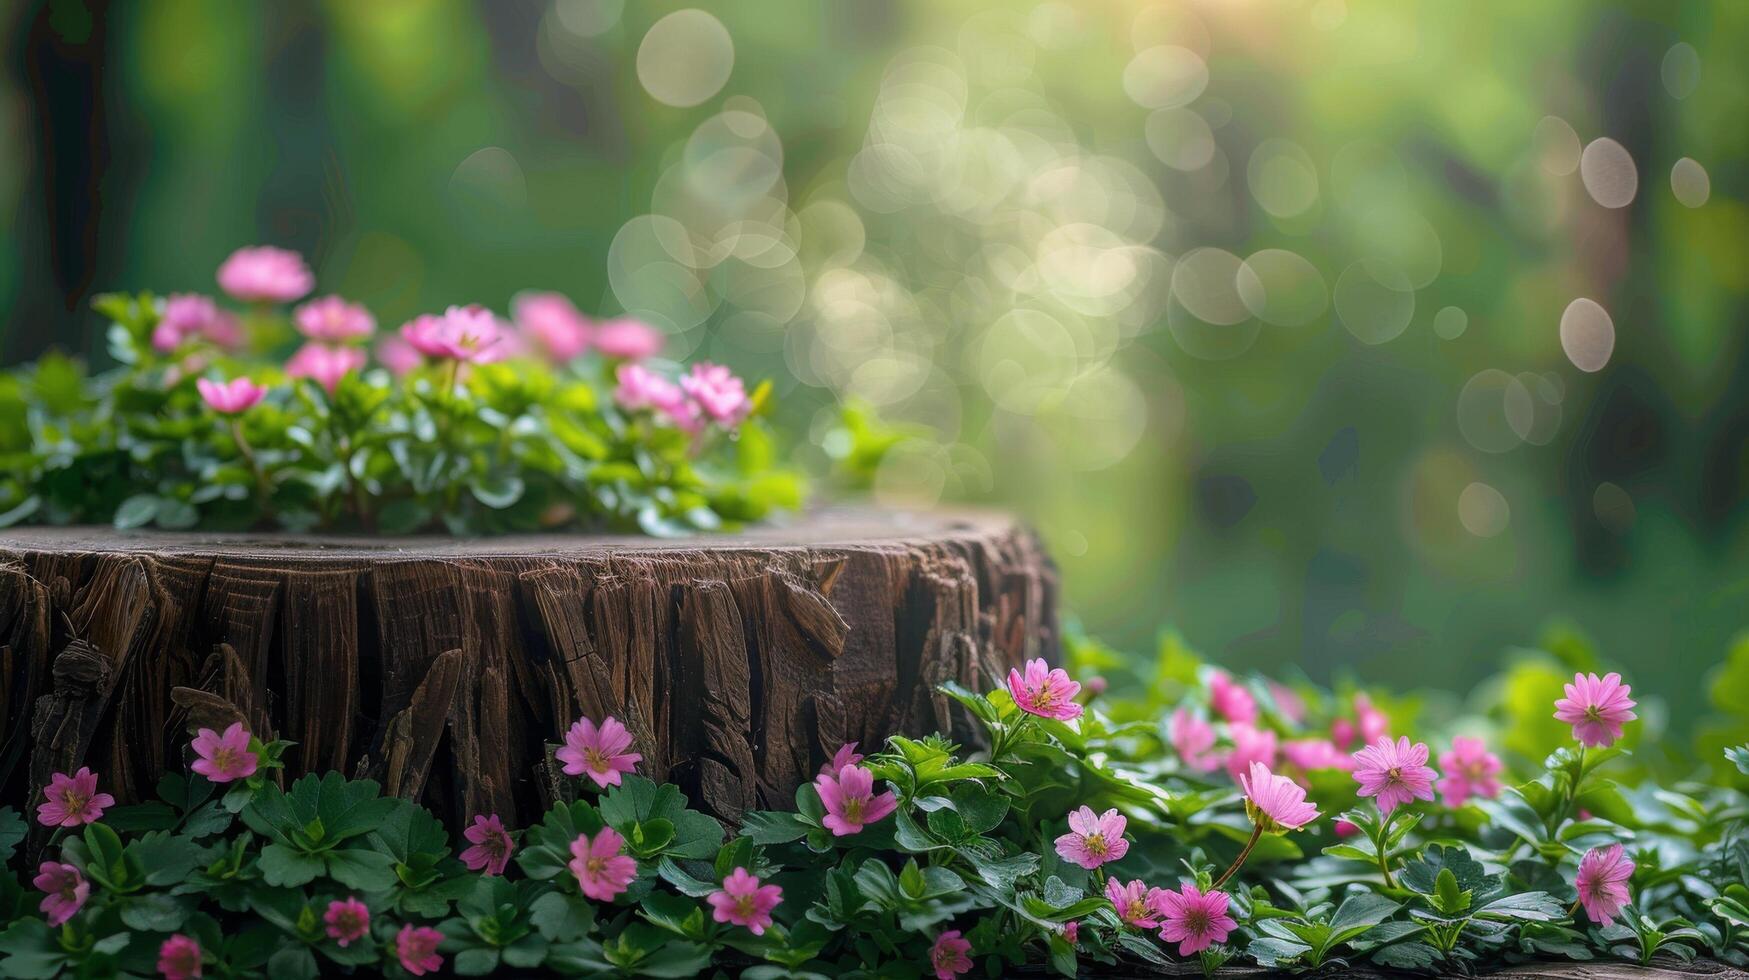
pixel 307 416
pixel 1203 817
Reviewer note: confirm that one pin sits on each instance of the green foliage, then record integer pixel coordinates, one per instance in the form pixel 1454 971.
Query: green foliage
pixel 520 445
pixel 969 847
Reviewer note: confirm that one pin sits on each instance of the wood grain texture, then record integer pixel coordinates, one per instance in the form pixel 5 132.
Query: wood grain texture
pixel 445 668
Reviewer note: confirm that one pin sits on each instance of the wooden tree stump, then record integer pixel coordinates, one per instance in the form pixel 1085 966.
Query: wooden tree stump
pixel 444 668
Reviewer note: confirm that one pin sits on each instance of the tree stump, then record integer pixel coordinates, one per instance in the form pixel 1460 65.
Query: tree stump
pixel 444 668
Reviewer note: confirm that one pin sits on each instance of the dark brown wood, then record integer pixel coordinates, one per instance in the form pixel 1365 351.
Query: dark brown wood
pixel 445 668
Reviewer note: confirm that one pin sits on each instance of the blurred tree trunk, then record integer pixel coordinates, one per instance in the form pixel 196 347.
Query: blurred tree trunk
pixel 61 48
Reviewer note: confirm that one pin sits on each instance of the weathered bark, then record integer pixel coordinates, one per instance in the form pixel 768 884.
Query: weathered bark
pixel 444 668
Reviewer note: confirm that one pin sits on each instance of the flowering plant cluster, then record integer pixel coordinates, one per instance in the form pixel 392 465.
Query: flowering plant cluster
pixel 299 412
pixel 1215 820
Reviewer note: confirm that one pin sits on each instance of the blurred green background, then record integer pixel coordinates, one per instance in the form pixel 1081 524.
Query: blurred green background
pixel 1365 336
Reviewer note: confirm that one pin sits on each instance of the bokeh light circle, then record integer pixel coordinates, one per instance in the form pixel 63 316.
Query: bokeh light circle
pixel 685 58
pixel 1614 507
pixel 1587 334
pixel 1205 281
pixel 1374 300
pixel 1609 173
pixel 588 18
pixel 1690 183
pixel 1180 138
pixel 1483 510
pixel 1165 76
pixel 1282 288
pixel 1450 323
pixel 1680 70
pixel 1492 409
pixel 1282 178
pixel 1557 146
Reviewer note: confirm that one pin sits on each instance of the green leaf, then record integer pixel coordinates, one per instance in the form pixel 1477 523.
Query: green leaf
pixel 773 827
pixel 1527 906
pixel 12 832
pixel 284 866
pixel 497 490
pixel 684 883
pixel 562 917
pixel 1421 874
pixel 361 868
pixel 155 912
pixel 1356 915
pixel 637 800
pixel 476 962
pixel 136 511
pixel 1447 897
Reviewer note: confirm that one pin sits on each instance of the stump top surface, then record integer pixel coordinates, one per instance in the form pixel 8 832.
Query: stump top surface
pixel 840 527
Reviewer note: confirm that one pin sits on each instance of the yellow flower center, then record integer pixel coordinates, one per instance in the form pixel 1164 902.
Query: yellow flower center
pixel 1096 844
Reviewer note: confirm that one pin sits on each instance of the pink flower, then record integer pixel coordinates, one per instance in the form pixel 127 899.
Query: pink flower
pixel 1603 882
pixel 179 958
pixel 348 920
pixel 641 388
pixel 1072 932
pixel 1394 772
pixel 845 756
pixel 1597 708
pixel 417 948
pixel 850 800
pixel 1249 745
pixel 232 397
pixel 1093 839
pixel 1044 692
pixel 64 891
pixel 552 322
pixel 951 955
pixel 397 355
pixel 332 320
pixel 223 758
pixel 1275 802
pixel 1373 723
pixel 718 392
pixel 599 753
pixel 1231 700
pixel 627 339
pixel 1192 738
pixel 1370 724
pixel 1312 754
pixel 469 334
pixel 265 274
pixel 1288 702
pixel 1136 903
pixel 1345 829
pixel 1470 770
pixel 602 870
pixel 745 902
pixel 1096 685
pixel 1193 920
pixel 325 365
pixel 72 800
pixel 188 316
pixel 492 845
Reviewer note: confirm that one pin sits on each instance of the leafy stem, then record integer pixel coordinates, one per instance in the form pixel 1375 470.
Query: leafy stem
pixel 1239 862
pixel 262 487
